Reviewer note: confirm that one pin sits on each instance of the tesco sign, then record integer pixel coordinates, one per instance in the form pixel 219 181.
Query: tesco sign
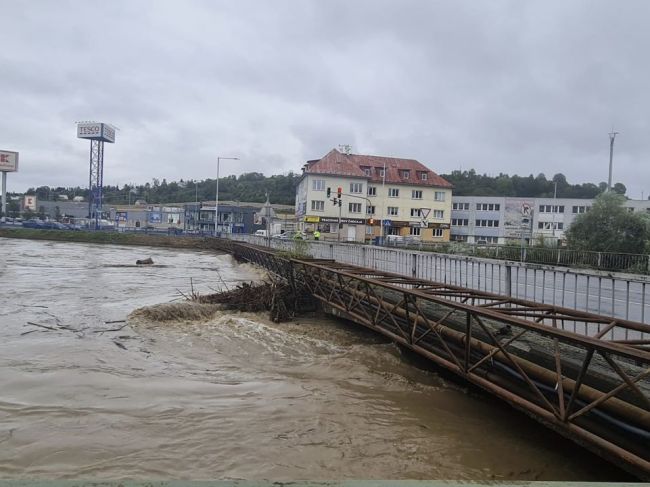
pixel 96 131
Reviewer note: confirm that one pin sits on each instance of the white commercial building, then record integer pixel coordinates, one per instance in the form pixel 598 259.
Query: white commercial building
pixel 498 219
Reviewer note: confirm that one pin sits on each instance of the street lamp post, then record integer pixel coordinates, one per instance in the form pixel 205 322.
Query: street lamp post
pixel 216 199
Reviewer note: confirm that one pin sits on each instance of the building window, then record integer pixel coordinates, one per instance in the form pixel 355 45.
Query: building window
pixel 354 207
pixel 392 210
pixel 486 239
pixel 367 171
pixel 405 174
pixel 439 196
pixel 488 206
pixel 437 232
pixel 581 209
pixel 393 192
pixel 630 209
pixel 459 222
pixel 415 231
pixel 317 205
pixel 460 206
pixel 356 188
pixel 550 225
pixel 438 214
pixel 318 185
pixel 551 209
pixel 370 210
pixel 372 191
pixel 416 194
pixel 487 223
pixel 393 230
pixel 380 171
pixel 369 230
pixel 416 212
pixel 424 176
pixel 459 238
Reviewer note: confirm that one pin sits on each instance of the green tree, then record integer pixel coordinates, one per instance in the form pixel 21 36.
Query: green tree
pixel 609 227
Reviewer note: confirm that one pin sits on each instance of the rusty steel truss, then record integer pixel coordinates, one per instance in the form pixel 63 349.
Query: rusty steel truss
pixel 592 387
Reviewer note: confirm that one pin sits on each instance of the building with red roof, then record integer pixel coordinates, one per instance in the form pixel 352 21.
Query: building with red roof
pixel 400 198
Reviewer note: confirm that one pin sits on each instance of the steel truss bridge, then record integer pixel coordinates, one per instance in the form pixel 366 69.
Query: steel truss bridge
pixel 592 387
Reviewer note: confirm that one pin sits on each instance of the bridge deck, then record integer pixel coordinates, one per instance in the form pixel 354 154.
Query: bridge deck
pixel 591 385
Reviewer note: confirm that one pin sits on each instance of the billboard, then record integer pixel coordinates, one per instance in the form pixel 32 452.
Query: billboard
pixel 8 161
pixel 518 213
pixel 30 202
pixel 96 131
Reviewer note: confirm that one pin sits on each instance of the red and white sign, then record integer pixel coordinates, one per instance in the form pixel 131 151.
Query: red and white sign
pixel 8 161
pixel 30 202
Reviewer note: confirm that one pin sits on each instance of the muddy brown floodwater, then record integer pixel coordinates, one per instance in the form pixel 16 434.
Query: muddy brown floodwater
pixel 230 397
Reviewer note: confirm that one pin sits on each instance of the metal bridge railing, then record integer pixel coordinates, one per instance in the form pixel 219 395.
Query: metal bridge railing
pixel 616 295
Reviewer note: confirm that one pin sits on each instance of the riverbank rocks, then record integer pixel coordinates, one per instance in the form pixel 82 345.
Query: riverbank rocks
pixel 147 261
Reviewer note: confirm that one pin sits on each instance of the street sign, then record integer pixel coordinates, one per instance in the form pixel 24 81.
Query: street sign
pixel 525 209
pixel 387 223
pixel 424 212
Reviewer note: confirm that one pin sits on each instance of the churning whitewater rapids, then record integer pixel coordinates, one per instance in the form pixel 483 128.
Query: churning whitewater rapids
pixel 232 396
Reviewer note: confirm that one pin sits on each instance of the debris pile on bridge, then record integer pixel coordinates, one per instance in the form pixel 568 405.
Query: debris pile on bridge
pixel 277 297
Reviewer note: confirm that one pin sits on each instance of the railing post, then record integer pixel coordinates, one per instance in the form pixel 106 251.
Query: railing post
pixel 332 251
pixel 508 281
pixel 414 265
pixel 363 256
pixel 599 256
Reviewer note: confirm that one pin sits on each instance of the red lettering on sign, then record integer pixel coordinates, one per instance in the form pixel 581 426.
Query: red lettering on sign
pixel 4 157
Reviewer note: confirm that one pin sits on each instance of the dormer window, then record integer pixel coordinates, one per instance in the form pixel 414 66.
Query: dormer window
pixel 380 171
pixel 367 171
pixel 424 176
pixel 405 173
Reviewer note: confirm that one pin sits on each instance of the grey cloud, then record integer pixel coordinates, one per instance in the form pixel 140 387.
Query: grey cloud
pixel 502 86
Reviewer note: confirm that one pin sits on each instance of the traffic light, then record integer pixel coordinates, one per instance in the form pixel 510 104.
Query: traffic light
pixel 329 192
pixel 339 191
pixel 334 201
pixel 340 204
pixel 371 221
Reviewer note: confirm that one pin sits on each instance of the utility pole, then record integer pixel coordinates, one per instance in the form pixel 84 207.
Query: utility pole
pixel 612 136
pixel 383 204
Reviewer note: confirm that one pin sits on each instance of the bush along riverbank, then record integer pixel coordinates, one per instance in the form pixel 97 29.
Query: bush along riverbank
pixel 115 238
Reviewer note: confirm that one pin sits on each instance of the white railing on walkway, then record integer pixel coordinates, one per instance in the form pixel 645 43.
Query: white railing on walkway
pixel 612 294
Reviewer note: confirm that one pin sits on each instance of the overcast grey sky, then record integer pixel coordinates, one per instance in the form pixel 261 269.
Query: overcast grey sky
pixel 498 86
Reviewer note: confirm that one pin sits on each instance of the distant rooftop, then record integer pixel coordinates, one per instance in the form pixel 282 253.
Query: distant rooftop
pixel 398 171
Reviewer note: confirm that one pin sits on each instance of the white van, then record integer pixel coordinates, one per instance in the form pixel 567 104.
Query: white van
pixel 260 233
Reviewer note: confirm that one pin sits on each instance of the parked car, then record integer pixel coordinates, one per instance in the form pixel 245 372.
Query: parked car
pixel 33 223
pixel 281 236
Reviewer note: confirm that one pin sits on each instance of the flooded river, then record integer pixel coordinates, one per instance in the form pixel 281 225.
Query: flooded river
pixel 229 397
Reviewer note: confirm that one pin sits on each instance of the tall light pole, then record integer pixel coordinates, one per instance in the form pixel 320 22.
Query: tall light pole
pixel 216 199
pixel 612 136
pixel 383 204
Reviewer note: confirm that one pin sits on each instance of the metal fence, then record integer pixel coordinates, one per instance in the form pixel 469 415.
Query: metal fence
pixel 636 263
pixel 609 294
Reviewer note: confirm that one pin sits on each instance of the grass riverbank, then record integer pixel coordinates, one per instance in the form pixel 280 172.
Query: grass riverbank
pixel 113 238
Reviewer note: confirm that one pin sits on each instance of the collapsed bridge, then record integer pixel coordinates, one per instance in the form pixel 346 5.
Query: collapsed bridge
pixel 591 385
